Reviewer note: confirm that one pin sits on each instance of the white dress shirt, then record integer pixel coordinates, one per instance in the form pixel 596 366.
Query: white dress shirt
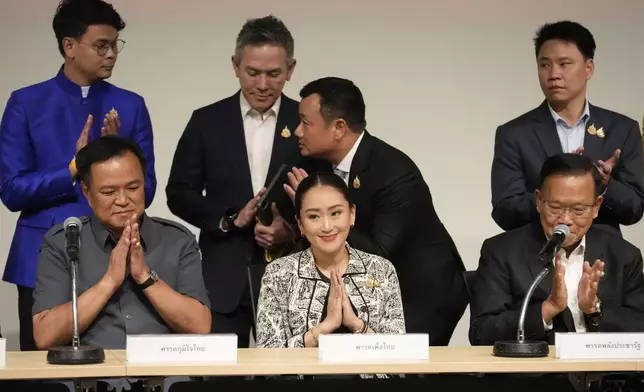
pixel 344 168
pixel 259 132
pixel 574 266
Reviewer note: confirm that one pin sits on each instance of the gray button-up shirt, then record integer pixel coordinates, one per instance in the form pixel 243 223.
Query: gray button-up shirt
pixel 170 249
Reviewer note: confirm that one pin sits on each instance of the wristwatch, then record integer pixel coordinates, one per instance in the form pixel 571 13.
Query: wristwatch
pixel 150 281
pixel 595 317
pixel 228 221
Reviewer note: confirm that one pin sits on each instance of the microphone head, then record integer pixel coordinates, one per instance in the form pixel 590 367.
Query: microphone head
pixel 73 221
pixel 562 230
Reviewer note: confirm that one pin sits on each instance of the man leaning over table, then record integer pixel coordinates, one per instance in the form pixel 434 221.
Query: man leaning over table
pixel 596 284
pixel 136 275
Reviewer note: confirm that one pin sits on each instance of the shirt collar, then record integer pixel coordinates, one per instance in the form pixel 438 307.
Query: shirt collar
pixel 579 250
pixel 558 120
pixel 75 90
pixel 247 110
pixel 345 165
pixel 104 237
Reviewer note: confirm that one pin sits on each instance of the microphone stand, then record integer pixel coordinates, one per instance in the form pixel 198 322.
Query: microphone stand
pixel 522 348
pixel 75 354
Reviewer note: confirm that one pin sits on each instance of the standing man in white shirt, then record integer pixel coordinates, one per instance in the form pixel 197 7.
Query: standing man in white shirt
pixel 228 153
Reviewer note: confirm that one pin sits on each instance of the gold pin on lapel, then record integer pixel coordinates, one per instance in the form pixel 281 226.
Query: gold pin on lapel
pixel 356 182
pixel 600 133
pixel 592 130
pixel 371 283
pixel 286 132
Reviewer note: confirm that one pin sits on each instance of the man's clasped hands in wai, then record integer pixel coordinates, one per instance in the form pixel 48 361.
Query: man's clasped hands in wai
pixel 129 244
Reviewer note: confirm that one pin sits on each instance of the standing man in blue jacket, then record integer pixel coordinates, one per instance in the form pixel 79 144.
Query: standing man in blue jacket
pixel 43 127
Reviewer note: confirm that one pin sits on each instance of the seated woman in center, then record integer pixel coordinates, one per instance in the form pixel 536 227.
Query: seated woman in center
pixel 329 287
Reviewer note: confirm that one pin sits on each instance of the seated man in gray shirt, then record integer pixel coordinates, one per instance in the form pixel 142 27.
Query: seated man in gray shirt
pixel 136 274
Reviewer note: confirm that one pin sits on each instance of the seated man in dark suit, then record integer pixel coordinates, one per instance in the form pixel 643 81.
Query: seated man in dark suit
pixel 395 215
pixel 597 284
pixel 567 122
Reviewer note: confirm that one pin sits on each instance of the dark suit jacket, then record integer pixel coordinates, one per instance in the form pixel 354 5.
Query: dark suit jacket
pixel 211 155
pixel 396 219
pixel 522 145
pixel 508 266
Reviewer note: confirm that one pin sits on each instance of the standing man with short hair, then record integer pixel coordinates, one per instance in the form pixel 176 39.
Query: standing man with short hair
pixel 231 149
pixel 567 123
pixel 46 124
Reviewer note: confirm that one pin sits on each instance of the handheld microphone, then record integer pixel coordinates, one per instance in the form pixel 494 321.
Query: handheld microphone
pixel 72 227
pixel 521 347
pixel 559 235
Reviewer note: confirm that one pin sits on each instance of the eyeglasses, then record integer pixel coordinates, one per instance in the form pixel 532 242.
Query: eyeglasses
pixel 578 210
pixel 102 47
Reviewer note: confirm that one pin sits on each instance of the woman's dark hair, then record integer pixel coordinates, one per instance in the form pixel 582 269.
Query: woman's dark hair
pixel 320 179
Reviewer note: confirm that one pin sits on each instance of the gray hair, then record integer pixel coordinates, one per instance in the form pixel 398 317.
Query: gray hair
pixel 268 30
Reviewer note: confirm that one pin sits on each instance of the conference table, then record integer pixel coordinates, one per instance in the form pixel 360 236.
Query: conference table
pixel 267 362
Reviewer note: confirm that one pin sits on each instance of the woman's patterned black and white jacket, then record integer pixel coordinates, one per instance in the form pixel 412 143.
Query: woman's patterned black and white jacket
pixel 293 295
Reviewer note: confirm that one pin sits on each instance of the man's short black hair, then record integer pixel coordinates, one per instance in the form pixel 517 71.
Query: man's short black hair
pixel 102 150
pixel 339 98
pixel 73 17
pixel 567 31
pixel 572 165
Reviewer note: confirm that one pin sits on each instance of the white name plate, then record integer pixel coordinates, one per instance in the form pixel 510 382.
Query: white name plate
pixel 373 347
pixel 174 348
pixel 3 352
pixel 600 345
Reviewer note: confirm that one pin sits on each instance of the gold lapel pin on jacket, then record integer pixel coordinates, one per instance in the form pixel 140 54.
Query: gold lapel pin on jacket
pixel 600 133
pixel 372 282
pixel 356 182
pixel 592 130
pixel 286 132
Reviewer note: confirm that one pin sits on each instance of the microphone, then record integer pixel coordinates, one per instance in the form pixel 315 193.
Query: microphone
pixel 72 227
pixel 74 354
pixel 522 348
pixel 559 235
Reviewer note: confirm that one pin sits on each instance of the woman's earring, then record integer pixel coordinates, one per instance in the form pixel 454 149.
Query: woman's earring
pixel 302 234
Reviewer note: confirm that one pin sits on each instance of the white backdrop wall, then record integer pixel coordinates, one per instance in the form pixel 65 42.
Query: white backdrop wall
pixel 438 77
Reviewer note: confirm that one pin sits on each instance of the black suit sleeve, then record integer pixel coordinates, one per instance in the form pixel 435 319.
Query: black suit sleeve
pixel 512 204
pixel 629 315
pixel 185 187
pixel 394 215
pixel 494 311
pixel 624 196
